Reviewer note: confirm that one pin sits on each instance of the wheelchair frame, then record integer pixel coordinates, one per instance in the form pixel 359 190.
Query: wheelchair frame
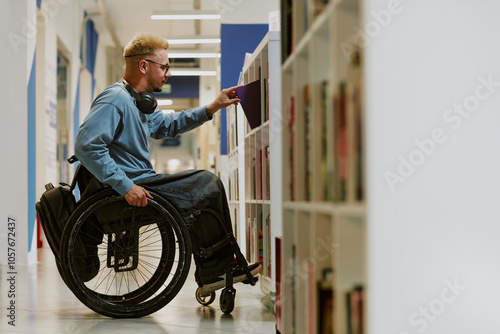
pixel 108 272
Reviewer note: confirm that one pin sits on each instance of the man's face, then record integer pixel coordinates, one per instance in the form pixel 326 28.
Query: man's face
pixel 157 73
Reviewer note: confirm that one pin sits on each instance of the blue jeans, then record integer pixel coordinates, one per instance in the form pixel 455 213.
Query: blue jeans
pixel 191 191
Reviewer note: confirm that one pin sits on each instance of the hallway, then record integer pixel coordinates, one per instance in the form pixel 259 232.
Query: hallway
pixel 45 305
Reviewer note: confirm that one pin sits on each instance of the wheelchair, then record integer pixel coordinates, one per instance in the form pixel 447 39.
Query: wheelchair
pixel 124 261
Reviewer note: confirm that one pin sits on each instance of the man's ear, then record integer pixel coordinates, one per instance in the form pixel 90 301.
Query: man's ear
pixel 142 66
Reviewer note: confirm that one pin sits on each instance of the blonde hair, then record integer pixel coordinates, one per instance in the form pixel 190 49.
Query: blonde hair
pixel 144 44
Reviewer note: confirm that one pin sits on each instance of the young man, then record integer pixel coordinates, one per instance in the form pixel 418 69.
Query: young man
pixel 112 143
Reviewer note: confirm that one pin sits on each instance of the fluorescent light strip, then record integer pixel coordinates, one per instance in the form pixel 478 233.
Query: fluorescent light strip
pixel 165 102
pixel 194 73
pixel 186 17
pixel 194 41
pixel 193 55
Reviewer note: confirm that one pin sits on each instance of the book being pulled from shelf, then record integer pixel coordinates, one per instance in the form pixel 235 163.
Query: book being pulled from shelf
pixel 250 96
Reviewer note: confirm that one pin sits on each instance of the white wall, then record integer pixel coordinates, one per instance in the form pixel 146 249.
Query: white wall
pixel 63 31
pixel 433 233
pixel 18 39
pixel 59 24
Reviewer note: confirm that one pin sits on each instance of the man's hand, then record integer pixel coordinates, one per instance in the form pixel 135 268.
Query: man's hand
pixel 226 98
pixel 137 196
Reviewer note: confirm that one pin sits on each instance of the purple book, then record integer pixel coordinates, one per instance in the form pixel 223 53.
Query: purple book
pixel 250 101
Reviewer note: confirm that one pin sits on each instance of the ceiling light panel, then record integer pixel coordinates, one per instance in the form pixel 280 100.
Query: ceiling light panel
pixel 193 73
pixel 194 41
pixel 194 55
pixel 186 15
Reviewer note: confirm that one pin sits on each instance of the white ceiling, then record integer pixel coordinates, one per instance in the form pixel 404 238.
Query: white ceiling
pixel 127 17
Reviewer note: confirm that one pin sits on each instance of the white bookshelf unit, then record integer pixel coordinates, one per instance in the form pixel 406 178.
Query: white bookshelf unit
pixel 324 226
pixel 255 163
pixel 403 239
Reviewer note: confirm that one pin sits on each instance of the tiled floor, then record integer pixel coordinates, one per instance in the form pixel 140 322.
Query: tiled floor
pixel 45 305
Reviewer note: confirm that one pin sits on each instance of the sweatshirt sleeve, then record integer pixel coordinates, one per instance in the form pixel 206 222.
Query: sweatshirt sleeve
pixel 91 146
pixel 174 123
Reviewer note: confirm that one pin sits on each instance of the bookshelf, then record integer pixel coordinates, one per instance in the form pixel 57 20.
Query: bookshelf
pixel 324 212
pixel 255 159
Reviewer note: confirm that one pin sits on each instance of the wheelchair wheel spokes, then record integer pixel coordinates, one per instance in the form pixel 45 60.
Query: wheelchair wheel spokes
pixel 122 286
pixel 139 265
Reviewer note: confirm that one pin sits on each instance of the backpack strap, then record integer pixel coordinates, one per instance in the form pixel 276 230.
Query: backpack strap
pixel 87 183
pixel 72 160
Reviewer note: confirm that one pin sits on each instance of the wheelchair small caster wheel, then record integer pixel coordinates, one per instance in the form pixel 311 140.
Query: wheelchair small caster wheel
pixel 227 300
pixel 205 300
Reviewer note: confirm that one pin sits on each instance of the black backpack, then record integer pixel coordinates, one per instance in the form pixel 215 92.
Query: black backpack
pixel 54 209
pixel 58 203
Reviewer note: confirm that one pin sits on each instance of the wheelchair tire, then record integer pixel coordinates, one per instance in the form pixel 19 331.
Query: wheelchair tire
pixel 140 263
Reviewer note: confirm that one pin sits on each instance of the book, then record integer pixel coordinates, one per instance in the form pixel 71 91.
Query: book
pixel 279 292
pixel 307 142
pixel 286 29
pixel 248 238
pixel 258 175
pixel 341 143
pixel 250 96
pixel 325 302
pixel 267 93
pixel 267 246
pixel 236 220
pixel 326 167
pixel 255 241
pixel 260 246
pixel 291 153
pixel 354 308
pixel 311 291
pixel 355 77
pixel 253 179
pixel 267 151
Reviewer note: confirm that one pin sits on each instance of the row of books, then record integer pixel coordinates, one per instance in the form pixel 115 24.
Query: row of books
pixel 234 185
pixel 232 125
pixel 259 242
pixel 336 161
pixel 321 313
pixel 354 306
pixel 260 175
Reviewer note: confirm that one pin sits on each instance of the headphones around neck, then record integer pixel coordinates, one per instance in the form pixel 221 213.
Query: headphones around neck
pixel 145 102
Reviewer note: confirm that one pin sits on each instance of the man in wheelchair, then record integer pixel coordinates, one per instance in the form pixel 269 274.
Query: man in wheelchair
pixel 112 143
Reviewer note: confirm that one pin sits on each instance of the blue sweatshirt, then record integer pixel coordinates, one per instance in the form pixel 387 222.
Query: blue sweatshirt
pixel 112 142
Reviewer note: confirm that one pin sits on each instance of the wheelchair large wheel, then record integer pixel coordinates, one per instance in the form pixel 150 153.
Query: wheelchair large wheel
pixel 123 261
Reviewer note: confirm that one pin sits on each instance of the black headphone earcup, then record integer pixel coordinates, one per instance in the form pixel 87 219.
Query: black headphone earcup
pixel 147 104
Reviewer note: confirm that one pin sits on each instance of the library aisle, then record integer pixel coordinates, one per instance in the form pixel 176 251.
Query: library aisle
pixel 45 305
